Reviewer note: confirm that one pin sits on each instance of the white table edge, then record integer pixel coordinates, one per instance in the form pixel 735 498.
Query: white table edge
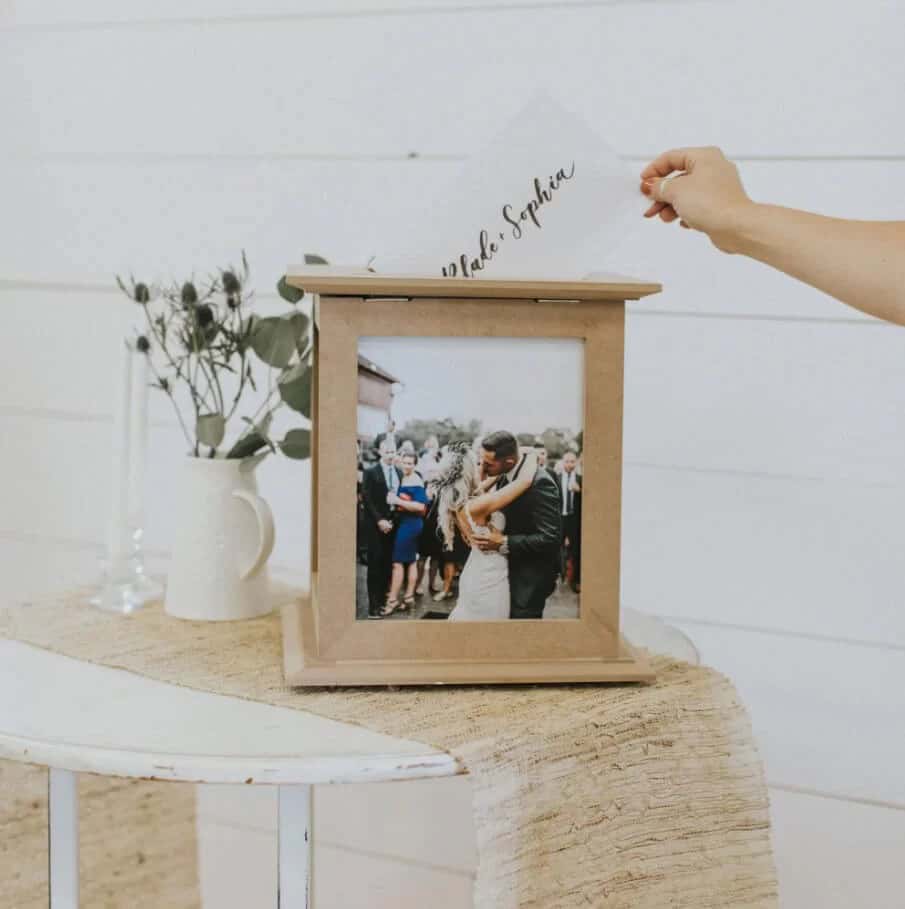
pixel 331 751
pixel 195 768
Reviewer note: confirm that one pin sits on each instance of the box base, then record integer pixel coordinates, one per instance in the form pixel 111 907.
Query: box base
pixel 301 670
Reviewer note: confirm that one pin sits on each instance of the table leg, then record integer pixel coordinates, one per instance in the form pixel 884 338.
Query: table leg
pixel 295 832
pixel 63 819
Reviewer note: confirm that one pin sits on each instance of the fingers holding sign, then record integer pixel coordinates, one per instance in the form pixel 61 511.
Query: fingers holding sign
pixel 656 179
pixel 698 186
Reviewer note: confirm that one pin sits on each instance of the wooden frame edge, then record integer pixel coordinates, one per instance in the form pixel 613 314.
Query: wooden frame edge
pixel 329 282
pixel 300 670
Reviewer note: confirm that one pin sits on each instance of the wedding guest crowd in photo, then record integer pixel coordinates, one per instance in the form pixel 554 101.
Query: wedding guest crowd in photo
pixel 480 528
pixel 569 482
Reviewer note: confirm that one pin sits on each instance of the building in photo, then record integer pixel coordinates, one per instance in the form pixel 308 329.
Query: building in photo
pixel 375 398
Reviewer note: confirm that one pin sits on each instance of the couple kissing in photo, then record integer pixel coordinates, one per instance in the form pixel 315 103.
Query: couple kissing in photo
pixel 506 507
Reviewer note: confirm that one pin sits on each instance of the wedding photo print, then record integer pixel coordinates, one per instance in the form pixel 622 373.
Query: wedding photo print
pixel 469 478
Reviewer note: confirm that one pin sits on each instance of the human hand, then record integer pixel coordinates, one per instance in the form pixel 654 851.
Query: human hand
pixel 392 498
pixel 384 526
pixel 490 541
pixel 708 196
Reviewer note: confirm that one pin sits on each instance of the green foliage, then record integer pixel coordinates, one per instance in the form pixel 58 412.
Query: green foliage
pixel 446 430
pixel 210 429
pixel 254 438
pixel 295 388
pixel 297 444
pixel 202 342
pixel 274 341
pixel 556 441
pixel 293 294
pixel 247 445
pixel 289 293
pixel 137 291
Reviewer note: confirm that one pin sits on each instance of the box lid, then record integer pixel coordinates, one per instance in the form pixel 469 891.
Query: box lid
pixel 330 281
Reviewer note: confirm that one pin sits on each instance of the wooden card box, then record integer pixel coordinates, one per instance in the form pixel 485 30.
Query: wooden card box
pixel 324 643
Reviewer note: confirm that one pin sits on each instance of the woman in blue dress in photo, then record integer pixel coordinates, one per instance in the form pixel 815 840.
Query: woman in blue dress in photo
pixel 410 503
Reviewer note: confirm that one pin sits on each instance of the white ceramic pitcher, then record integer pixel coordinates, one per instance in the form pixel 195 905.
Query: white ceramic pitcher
pixel 224 536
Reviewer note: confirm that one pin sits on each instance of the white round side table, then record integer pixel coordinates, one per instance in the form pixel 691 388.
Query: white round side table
pixel 72 716
pixel 657 636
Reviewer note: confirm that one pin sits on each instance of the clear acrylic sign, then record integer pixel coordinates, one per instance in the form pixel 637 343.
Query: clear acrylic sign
pixel 547 198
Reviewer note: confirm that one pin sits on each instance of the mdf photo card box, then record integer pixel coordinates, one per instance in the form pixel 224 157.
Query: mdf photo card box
pixel 466 466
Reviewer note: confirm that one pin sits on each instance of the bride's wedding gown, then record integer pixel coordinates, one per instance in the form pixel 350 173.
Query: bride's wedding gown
pixel 484 582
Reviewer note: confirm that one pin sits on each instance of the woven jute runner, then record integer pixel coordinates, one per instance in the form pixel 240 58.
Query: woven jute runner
pixel 634 797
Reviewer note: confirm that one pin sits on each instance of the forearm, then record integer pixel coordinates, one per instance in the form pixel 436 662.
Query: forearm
pixel 532 544
pixel 498 499
pixel 412 507
pixel 861 263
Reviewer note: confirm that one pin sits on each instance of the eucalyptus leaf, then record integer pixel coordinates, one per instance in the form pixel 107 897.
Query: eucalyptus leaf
pixel 297 444
pixel 295 388
pixel 210 429
pixel 274 341
pixel 263 425
pixel 247 445
pixel 289 293
pixel 299 322
pixel 254 438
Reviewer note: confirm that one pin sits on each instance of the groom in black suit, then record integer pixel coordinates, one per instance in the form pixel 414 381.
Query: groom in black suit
pixel 533 528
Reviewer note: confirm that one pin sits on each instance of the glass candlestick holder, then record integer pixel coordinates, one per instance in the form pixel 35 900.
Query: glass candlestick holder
pixel 125 585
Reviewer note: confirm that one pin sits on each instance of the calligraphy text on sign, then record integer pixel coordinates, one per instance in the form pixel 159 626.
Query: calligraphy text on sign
pixel 517 222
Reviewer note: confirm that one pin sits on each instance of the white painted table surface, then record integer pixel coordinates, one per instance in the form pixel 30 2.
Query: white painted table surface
pixel 66 713
pixel 73 716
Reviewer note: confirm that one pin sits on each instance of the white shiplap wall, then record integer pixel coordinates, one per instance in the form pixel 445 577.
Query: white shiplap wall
pixel 765 423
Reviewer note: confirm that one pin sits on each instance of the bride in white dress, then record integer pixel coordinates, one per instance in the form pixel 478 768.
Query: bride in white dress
pixel 472 506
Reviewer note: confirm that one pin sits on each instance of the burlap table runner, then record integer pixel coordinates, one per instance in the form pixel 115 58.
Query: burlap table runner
pixel 635 797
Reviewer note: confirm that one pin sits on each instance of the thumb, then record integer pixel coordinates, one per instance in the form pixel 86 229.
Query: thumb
pixel 662 189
